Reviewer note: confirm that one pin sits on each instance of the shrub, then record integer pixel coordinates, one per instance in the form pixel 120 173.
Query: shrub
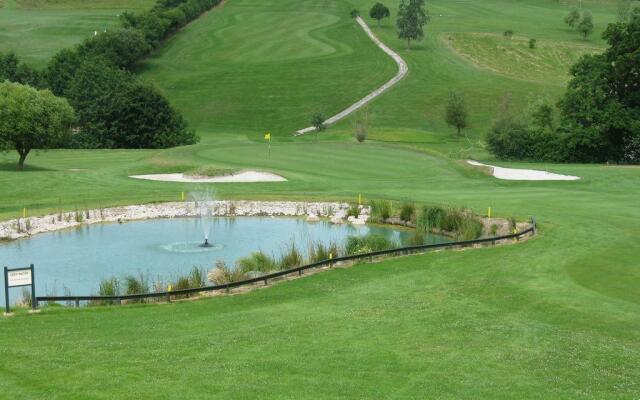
pixel 368 243
pixel 136 284
pixel 353 211
pixel 430 218
pixel 290 258
pixel 407 212
pixel 197 278
pixel 470 228
pixel 257 262
pixel 354 13
pixel 223 274
pixel 380 210
pixel 319 252
pixel 360 132
pixel 532 43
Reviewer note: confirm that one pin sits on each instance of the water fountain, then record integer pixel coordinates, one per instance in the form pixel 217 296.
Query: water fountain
pixel 204 202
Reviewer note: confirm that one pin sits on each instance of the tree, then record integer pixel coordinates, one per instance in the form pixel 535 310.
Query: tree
pixel 412 17
pixel 354 13
pixel 32 119
pixel 317 121
pixel 601 107
pixel 508 34
pixel 115 110
pixel 11 69
pixel 585 27
pixel 572 18
pixel 379 11
pixel 456 112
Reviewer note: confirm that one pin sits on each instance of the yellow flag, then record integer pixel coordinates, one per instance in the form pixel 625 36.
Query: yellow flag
pixel 267 136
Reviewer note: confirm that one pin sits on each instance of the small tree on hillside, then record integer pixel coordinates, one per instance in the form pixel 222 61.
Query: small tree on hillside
pixel 585 27
pixel 412 17
pixel 572 18
pixel 456 112
pixel 317 121
pixel 32 119
pixel 354 13
pixel 379 11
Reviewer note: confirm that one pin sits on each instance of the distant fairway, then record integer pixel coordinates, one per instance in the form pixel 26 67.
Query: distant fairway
pixel 555 317
pixel 37 29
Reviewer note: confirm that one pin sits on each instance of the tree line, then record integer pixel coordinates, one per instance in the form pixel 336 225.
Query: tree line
pixel 113 108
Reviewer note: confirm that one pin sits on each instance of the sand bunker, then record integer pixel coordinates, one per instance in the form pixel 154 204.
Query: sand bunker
pixel 514 174
pixel 244 176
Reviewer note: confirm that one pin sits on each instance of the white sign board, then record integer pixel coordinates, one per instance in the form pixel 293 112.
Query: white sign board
pixel 19 277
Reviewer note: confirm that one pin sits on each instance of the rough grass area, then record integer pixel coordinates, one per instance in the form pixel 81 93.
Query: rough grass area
pixel 549 61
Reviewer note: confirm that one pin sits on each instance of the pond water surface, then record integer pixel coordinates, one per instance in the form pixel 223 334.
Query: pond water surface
pixel 76 260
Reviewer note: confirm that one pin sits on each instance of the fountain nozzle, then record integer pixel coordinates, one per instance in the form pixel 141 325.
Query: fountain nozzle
pixel 206 243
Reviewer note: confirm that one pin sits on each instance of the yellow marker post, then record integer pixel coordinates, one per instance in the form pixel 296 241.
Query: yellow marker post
pixel 267 136
pixel 360 199
pixel 489 212
pixel 182 196
pixel 331 259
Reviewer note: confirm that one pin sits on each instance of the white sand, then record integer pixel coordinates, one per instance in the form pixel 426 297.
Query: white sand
pixel 402 71
pixel 514 174
pixel 244 176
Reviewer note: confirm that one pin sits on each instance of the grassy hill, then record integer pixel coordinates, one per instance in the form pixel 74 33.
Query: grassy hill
pixel 554 317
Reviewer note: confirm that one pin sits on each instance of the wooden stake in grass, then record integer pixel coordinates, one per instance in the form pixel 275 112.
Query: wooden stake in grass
pixel 267 137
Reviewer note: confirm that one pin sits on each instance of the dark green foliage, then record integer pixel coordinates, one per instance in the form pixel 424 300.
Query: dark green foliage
pixel 121 47
pixel 11 69
pixel 354 13
pixel 353 211
pixel 412 17
pixel 601 108
pixel 32 119
pixel 136 285
pixel 368 243
pixel 197 278
pixel 379 11
pixel 117 111
pixel 456 112
pixel 407 212
pixel 508 34
pixel 532 43
pixel 317 121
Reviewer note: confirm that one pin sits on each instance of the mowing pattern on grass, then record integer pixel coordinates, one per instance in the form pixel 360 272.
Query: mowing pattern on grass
pixel 402 71
pixel 549 61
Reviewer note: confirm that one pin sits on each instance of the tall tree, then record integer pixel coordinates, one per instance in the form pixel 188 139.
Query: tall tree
pixel 32 119
pixel 456 112
pixel 412 17
pixel 585 27
pixel 379 11
pixel 601 108
pixel 572 18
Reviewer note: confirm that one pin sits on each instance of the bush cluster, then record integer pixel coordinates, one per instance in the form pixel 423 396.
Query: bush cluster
pixel 114 108
pixel 459 222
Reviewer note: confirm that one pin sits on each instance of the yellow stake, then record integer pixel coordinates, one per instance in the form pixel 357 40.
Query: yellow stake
pixel 489 212
pixel 182 196
pixel 360 199
pixel 330 256
pixel 169 288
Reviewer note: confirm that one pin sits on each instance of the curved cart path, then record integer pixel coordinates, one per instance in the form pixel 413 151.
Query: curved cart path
pixel 402 72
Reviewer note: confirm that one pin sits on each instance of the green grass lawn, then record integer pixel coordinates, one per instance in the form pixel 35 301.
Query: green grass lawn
pixel 554 317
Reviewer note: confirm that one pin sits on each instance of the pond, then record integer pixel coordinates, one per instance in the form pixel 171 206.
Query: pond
pixel 76 260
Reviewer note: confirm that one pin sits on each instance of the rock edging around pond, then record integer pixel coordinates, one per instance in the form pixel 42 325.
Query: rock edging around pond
pixel 25 227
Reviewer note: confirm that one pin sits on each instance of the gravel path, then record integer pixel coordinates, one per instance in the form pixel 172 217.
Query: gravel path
pixel 515 174
pixel 402 71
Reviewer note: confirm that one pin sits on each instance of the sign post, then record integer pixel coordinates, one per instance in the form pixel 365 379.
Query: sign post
pixel 19 277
